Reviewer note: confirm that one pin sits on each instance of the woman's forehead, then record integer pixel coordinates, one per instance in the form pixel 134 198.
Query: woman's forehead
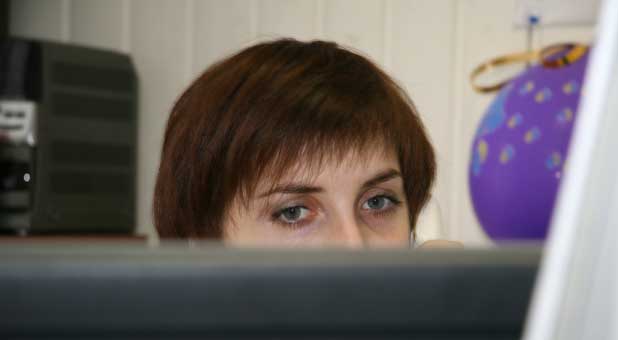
pixel 355 164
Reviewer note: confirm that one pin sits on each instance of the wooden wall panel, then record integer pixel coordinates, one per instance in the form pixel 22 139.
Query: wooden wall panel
pixel 220 29
pixel 159 47
pixel 287 18
pixel 98 23
pixel 421 59
pixel 358 24
pixel 39 19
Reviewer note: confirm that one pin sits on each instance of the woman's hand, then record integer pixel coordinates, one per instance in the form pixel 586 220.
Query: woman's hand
pixel 441 244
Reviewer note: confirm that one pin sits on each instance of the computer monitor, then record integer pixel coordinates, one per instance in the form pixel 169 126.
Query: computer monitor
pixel 576 296
pixel 179 293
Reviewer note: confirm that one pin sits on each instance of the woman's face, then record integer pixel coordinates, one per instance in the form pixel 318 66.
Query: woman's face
pixel 355 202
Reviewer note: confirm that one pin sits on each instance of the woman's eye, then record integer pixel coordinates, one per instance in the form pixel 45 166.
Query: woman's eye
pixel 379 202
pixel 292 214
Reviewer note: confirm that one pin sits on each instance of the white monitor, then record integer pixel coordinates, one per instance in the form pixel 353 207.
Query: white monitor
pixel 575 295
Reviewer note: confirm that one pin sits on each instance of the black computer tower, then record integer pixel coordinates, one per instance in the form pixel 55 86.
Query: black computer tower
pixel 68 119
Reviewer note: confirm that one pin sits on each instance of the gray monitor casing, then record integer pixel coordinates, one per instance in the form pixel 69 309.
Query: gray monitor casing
pixel 180 293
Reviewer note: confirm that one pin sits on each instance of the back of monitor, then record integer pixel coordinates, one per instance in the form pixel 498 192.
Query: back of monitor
pixel 575 296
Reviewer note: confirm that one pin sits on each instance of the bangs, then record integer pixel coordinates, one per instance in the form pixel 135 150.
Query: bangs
pixel 308 154
pixel 314 123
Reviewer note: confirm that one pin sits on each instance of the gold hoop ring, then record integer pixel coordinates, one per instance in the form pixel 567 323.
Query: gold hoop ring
pixel 575 51
pixel 500 61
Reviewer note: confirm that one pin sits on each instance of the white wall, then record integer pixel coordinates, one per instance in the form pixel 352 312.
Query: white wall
pixel 429 46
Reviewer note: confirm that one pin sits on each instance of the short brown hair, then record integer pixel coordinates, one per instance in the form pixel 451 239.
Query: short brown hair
pixel 265 108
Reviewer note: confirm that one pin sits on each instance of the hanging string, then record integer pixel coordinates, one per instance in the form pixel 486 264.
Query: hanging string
pixel 533 21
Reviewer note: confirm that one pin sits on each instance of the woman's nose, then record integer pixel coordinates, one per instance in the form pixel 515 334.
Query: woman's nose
pixel 350 234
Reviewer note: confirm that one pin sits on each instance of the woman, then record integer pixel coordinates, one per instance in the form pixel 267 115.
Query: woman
pixel 294 143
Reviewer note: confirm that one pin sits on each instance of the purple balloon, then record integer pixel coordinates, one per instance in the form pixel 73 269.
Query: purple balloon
pixel 519 151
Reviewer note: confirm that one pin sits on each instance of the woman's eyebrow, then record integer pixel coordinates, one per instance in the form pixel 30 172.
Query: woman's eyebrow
pixel 381 177
pixel 292 189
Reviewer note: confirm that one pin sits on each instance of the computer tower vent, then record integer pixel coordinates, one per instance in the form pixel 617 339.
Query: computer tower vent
pixel 72 182
pixel 79 75
pixel 86 153
pixel 92 106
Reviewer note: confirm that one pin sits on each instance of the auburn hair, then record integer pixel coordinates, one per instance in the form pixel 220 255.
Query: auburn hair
pixel 272 107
